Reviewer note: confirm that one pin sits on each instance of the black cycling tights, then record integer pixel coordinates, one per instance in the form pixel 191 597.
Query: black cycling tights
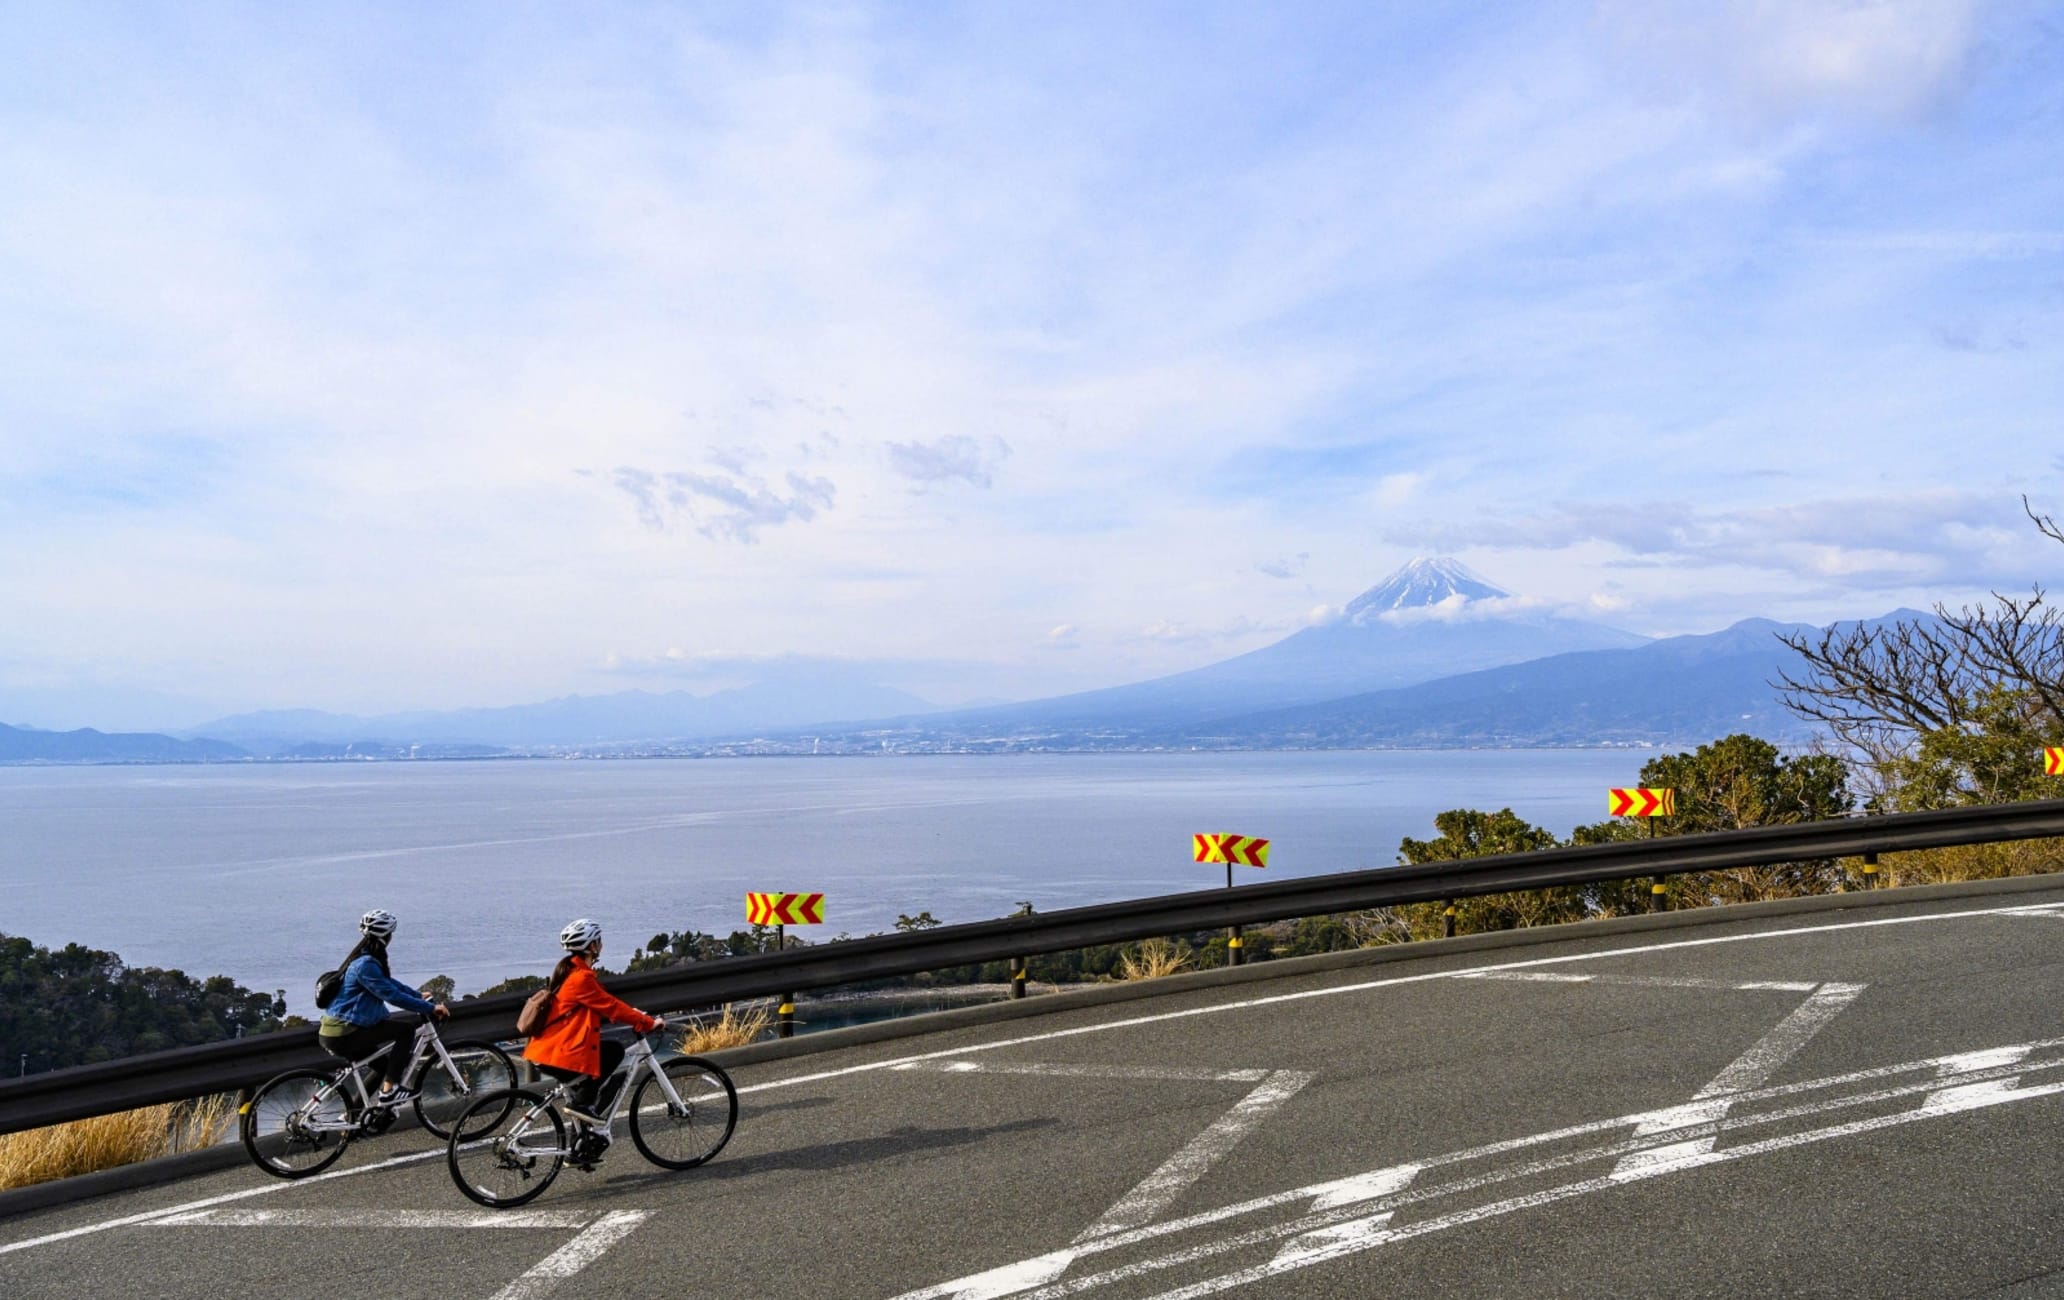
pixel 582 1094
pixel 366 1039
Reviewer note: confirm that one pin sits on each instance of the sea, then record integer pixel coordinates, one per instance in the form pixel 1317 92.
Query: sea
pixel 260 872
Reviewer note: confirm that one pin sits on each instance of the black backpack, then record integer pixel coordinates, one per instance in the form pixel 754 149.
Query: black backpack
pixel 327 986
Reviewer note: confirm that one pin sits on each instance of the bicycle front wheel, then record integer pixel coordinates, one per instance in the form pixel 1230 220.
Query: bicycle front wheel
pixel 442 1097
pixel 511 1158
pixel 683 1136
pixel 292 1129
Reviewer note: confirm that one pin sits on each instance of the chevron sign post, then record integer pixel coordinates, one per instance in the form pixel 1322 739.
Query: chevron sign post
pixel 782 911
pixel 2053 762
pixel 1640 802
pixel 1245 850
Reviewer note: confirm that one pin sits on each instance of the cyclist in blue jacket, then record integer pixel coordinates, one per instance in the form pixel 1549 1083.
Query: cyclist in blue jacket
pixel 356 1023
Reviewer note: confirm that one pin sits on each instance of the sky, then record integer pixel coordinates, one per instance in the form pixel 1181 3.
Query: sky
pixel 369 358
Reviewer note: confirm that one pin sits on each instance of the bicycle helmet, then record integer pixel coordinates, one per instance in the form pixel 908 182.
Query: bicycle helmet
pixel 378 923
pixel 579 934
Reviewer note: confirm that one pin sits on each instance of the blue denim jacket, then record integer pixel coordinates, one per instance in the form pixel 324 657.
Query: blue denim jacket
pixel 363 999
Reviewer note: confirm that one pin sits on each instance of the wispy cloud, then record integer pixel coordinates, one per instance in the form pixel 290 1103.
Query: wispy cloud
pixel 731 506
pixel 953 458
pixel 1882 542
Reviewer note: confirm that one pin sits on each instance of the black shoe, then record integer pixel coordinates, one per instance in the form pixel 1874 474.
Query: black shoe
pixel 395 1100
pixel 589 1147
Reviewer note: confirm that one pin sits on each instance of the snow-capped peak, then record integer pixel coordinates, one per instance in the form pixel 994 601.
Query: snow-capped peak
pixel 1423 582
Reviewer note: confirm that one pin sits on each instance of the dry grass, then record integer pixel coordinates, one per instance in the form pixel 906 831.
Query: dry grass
pixel 733 1028
pixel 1152 958
pixel 85 1146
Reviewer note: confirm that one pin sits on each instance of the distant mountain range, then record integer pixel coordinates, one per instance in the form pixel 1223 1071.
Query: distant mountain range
pixel 28 745
pixel 1433 656
pixel 1431 618
pixel 577 720
pixel 1677 690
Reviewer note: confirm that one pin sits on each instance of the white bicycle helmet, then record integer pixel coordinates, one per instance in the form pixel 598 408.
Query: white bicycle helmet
pixel 579 934
pixel 378 923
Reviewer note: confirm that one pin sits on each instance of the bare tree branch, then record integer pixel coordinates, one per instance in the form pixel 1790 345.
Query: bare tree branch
pixel 2048 525
pixel 1876 686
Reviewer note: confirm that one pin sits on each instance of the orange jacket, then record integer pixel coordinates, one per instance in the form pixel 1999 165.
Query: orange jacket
pixel 572 1038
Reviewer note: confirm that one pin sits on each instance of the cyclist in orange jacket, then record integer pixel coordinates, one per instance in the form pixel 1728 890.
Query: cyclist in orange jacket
pixel 570 1047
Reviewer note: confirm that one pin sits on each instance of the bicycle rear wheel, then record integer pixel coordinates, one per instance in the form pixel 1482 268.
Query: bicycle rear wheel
pixel 440 1100
pixel 684 1136
pixel 290 1130
pixel 512 1158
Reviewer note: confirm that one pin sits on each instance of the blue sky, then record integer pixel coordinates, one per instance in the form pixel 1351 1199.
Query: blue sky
pixel 393 357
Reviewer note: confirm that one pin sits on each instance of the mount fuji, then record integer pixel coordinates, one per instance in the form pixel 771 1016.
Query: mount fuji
pixel 1431 618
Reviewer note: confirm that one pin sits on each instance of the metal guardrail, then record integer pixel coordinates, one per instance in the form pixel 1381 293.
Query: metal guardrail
pixel 81 1091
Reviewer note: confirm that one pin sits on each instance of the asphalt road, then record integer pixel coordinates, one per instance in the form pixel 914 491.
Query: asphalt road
pixel 1850 1103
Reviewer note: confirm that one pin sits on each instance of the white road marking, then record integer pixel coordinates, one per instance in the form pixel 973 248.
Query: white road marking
pixel 1355 1234
pixel 1150 1073
pixel 1749 1070
pixel 598 1234
pixel 1365 1187
pixel 1651 981
pixel 1131 1022
pixel 1756 1065
pixel 575 1255
pixel 1966 1062
pixel 1151 1195
pixel 1969 1096
pixel 1158 1190
pixel 385 1220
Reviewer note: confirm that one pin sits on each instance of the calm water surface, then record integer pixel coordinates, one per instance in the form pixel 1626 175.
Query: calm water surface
pixel 260 872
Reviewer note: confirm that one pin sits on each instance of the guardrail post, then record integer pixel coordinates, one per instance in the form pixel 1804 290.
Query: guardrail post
pixel 1018 973
pixel 1658 901
pixel 1236 951
pixel 1870 871
pixel 1447 924
pixel 785 1018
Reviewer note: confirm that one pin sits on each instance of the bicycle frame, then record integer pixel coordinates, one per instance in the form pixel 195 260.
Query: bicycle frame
pixel 638 1059
pixel 428 1046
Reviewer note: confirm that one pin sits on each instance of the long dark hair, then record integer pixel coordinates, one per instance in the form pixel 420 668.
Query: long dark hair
pixel 565 966
pixel 371 946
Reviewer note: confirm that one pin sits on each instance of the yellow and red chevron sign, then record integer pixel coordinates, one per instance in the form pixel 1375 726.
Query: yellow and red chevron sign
pixel 1244 850
pixel 784 909
pixel 2053 762
pixel 1641 802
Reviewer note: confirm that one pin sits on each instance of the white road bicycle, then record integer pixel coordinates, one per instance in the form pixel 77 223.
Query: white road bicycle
pixel 509 1146
pixel 298 1123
